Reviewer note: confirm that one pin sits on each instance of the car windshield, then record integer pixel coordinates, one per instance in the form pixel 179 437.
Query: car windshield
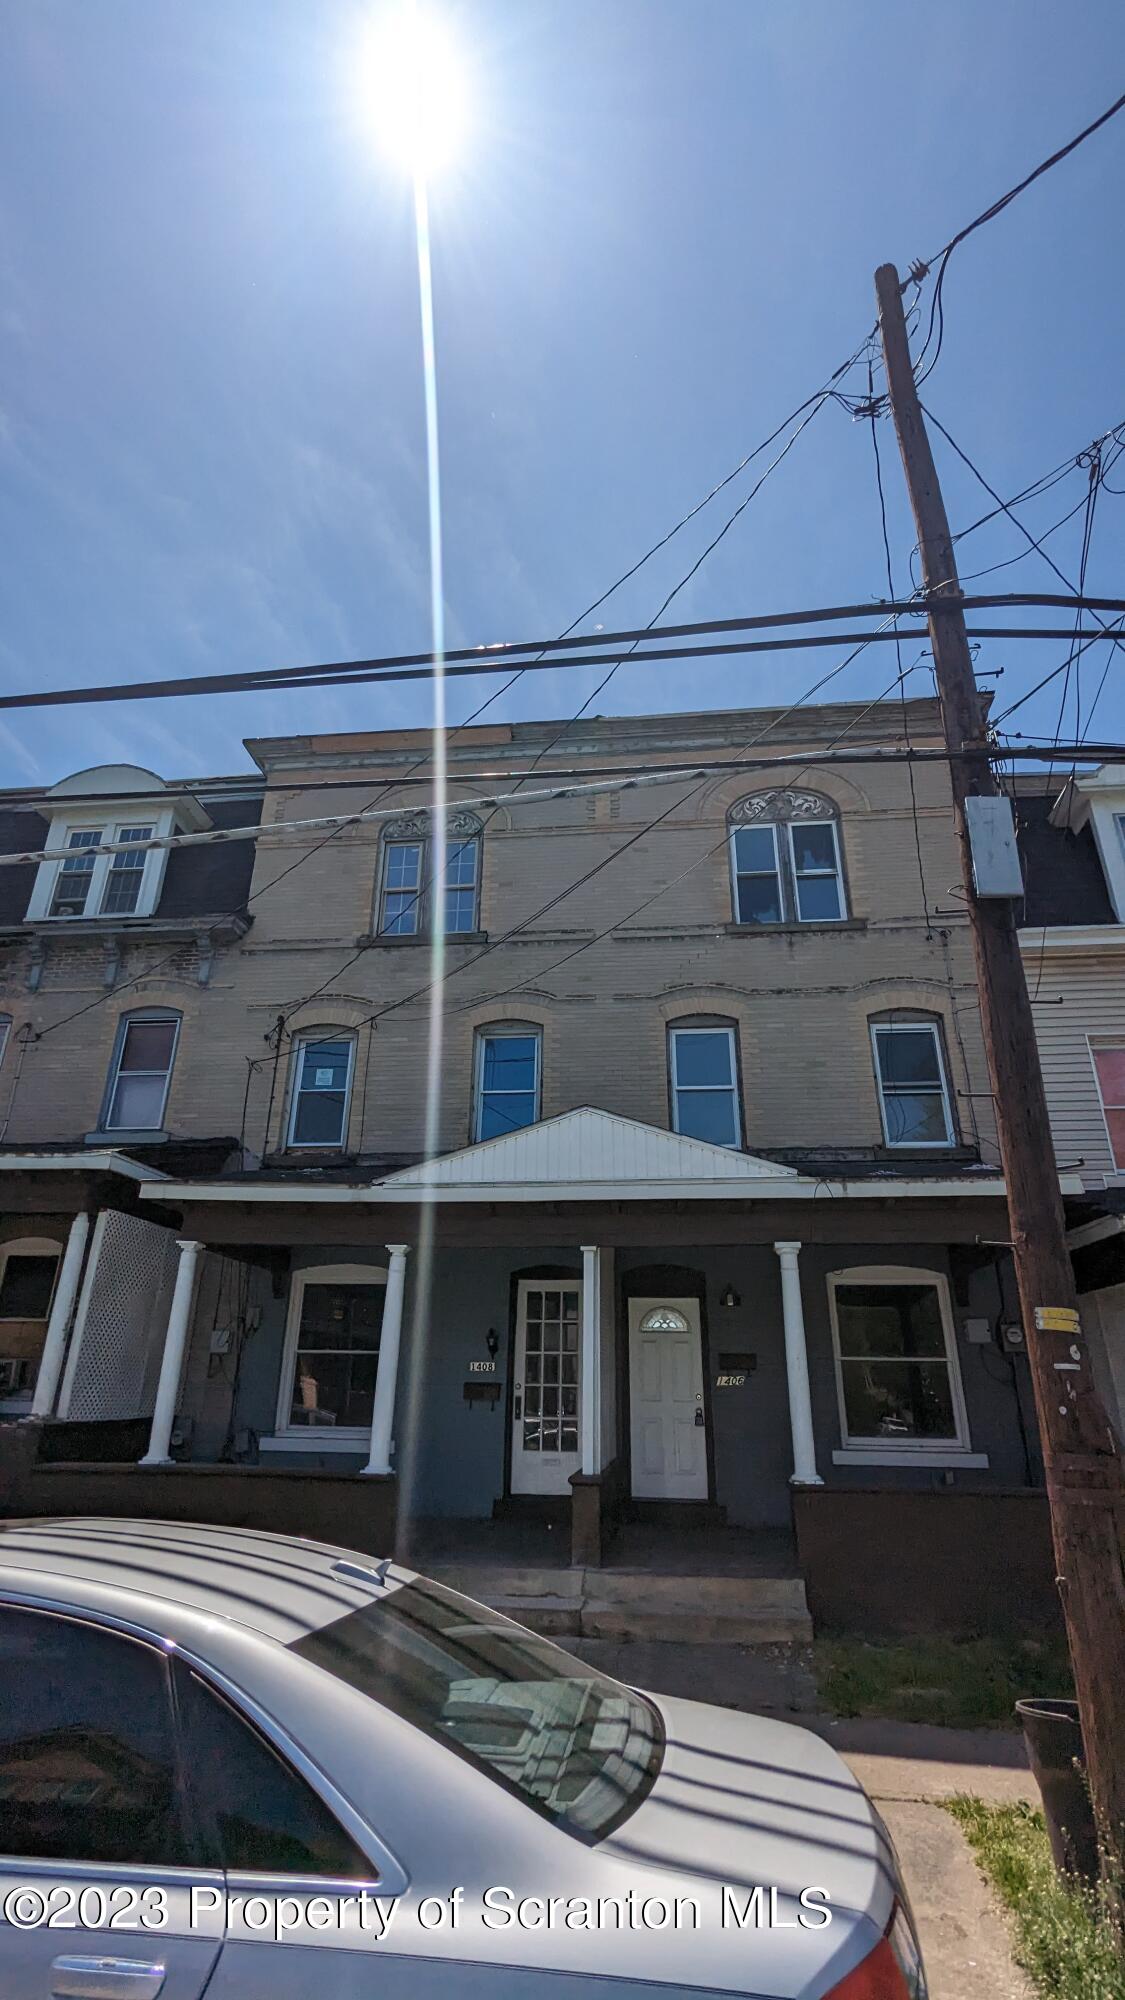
pixel 578 1748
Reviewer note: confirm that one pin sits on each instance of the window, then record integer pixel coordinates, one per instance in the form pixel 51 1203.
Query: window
pixel 581 1750
pixel 75 877
pixel 27 1284
pixel 409 868
pixel 140 1072
pixel 509 1064
pixel 896 1360
pixel 913 1092
pixel 28 1268
pixel 704 1084
pixel 332 1350
pixel 261 1817
pixel 785 860
pixel 1109 1069
pixel 87 1759
pixel 5 1031
pixel 322 1079
pixel 123 880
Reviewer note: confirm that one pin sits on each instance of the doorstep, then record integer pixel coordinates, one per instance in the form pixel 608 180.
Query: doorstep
pixel 633 1605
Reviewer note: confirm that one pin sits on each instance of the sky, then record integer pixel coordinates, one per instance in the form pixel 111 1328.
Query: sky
pixel 658 237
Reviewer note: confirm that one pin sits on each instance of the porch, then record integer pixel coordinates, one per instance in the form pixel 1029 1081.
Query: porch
pixel 622 1358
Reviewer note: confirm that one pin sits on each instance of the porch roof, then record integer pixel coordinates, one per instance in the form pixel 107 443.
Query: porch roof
pixel 589 1155
pixel 78 1159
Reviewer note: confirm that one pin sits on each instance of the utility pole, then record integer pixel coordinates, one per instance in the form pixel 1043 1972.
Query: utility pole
pixel 1082 1465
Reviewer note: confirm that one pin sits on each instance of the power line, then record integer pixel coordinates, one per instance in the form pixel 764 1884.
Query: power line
pixel 475 660
pixel 919 270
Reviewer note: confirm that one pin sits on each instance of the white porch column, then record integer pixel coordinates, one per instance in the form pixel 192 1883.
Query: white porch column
pixel 386 1377
pixel 172 1364
pixel 590 1372
pixel 797 1369
pixel 62 1311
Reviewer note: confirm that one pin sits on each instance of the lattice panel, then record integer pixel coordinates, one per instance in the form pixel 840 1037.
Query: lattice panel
pixel 122 1319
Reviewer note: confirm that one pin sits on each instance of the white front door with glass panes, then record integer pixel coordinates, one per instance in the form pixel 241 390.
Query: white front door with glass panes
pixel 332 1355
pixel 545 1386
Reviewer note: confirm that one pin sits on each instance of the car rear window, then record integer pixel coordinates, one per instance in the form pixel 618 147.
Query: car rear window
pixel 576 1747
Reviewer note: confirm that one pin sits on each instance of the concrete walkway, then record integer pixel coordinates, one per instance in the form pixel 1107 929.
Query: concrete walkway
pixel 907 1768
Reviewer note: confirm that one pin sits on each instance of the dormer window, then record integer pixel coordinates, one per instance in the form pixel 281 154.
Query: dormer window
pixel 103 864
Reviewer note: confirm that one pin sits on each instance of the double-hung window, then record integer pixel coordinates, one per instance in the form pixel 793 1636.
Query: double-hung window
pixel 409 880
pixel 140 1072
pixel 76 874
pixel 91 883
pixel 913 1089
pixel 322 1080
pixel 126 871
pixel 1109 1069
pixel 785 860
pixel 704 1079
pixel 508 1080
pixel 896 1360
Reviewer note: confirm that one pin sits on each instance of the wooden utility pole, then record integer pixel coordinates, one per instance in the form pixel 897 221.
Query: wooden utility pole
pixel 1083 1468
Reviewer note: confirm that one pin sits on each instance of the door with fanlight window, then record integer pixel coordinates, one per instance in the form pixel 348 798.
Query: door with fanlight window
pixel 545 1386
pixel 668 1422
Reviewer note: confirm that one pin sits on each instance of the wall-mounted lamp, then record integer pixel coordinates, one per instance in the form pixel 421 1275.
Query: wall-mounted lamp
pixel 730 1298
pixel 491 1341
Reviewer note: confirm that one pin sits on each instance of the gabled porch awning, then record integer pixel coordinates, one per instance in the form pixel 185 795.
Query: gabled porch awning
pixel 590 1155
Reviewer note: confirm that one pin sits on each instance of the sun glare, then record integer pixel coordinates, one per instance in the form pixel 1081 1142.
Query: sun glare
pixel 413 88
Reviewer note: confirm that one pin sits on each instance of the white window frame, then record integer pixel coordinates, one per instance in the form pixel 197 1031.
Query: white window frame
pixel 27 1246
pixel 817 874
pixel 785 872
pixel 109 826
pixel 1094 1044
pixel 307 1039
pixel 898 1451
pixel 308 1437
pixel 139 1017
pixel 691 1089
pixel 422 909
pixel 878 1028
pixel 503 1032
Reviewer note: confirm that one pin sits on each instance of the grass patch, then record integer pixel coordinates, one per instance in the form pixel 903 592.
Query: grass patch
pixel 964 1683
pixel 1059 1933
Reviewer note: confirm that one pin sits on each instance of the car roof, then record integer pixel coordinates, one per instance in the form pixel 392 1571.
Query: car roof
pixel 281 1586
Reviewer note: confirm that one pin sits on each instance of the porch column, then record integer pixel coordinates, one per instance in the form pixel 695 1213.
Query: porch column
pixel 386 1377
pixel 62 1311
pixel 590 1372
pixel 797 1369
pixel 172 1363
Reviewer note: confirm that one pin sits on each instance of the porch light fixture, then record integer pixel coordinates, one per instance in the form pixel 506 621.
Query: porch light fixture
pixel 730 1299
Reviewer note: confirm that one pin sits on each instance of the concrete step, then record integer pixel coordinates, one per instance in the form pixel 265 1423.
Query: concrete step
pixel 687 1625
pixel 624 1606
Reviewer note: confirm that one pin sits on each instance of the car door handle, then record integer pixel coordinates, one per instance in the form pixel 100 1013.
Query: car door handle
pixel 77 1978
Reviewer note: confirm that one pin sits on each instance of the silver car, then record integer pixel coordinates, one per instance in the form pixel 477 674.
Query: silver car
pixel 248 1765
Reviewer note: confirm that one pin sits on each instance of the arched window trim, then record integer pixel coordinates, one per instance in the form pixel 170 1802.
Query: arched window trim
pixel 305 1040
pixel 404 900
pixel 664 1319
pixel 769 875
pixel 139 1017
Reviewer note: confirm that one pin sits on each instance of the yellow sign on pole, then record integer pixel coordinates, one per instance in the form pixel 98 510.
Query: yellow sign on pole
pixel 1056 1319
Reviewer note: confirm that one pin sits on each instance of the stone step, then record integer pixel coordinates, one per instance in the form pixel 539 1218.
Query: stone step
pixel 626 1606
pixel 685 1624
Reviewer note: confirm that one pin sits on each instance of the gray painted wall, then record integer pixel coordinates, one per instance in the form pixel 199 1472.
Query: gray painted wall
pixel 451 1454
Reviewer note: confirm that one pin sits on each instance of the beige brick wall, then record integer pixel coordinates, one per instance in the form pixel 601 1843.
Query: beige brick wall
pixel 800 997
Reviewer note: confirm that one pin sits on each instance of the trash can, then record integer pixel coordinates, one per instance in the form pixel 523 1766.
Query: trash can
pixel 1053 1734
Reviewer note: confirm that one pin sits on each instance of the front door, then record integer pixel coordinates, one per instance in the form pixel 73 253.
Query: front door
pixel 667 1417
pixel 545 1448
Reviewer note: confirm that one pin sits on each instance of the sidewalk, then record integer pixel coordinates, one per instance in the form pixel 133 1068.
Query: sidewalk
pixel 906 1768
